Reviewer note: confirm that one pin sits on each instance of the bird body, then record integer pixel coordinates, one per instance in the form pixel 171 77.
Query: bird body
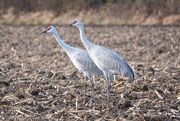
pixel 83 62
pixel 79 58
pixel 108 61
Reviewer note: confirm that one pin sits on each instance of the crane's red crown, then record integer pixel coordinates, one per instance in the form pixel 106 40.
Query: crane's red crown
pixel 49 28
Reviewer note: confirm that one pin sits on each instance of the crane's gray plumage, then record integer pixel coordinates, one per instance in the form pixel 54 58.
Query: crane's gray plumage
pixel 110 62
pixel 83 62
pixel 79 58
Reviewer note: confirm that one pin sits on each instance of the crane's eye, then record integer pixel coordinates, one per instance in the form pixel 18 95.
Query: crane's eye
pixel 49 28
pixel 74 22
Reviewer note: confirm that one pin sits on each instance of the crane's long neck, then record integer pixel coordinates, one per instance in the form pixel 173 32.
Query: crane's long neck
pixel 86 43
pixel 65 46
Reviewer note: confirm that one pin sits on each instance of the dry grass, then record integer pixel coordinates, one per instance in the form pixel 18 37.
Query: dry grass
pixel 105 15
pixel 38 81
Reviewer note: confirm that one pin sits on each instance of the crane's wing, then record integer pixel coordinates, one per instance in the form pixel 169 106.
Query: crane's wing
pixel 83 62
pixel 111 62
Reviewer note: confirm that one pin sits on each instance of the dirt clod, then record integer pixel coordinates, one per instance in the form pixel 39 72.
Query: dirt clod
pixel 62 77
pixel 20 96
pixel 40 108
pixel 35 92
pixel 145 88
pixel 4 83
pixel 50 74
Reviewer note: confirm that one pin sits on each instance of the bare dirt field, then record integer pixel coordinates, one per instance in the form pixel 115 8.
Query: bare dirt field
pixel 39 82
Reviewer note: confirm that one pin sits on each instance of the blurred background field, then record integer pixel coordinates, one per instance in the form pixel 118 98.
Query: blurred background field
pixel 98 12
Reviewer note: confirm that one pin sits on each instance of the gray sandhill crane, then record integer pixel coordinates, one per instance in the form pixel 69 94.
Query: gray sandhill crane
pixel 110 62
pixel 79 58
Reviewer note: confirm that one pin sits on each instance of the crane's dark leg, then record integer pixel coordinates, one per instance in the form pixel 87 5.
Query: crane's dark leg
pixel 85 89
pixel 108 90
pixel 92 84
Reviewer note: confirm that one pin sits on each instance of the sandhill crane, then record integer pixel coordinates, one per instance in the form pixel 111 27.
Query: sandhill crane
pixel 79 58
pixel 110 62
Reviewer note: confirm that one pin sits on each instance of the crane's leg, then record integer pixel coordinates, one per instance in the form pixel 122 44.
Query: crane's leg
pixel 92 84
pixel 108 91
pixel 85 89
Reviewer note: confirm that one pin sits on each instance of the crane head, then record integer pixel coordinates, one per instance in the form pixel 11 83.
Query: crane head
pixel 50 29
pixel 76 23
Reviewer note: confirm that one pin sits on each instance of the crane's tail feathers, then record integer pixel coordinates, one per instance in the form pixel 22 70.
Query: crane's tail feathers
pixel 130 72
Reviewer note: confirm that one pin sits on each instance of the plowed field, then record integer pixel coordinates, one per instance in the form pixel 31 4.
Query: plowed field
pixel 39 82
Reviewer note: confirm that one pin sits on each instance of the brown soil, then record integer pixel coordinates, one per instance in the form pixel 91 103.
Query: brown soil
pixel 39 82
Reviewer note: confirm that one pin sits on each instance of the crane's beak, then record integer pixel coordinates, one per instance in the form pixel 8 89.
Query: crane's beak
pixel 43 32
pixel 66 26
